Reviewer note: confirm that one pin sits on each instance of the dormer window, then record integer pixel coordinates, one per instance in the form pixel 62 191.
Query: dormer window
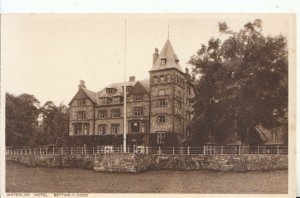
pixel 110 90
pixel 162 78
pixel 105 100
pixel 163 61
pixel 155 79
pixel 128 88
pixel 138 97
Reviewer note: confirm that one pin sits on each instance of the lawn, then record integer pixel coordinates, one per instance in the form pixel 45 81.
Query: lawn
pixel 20 178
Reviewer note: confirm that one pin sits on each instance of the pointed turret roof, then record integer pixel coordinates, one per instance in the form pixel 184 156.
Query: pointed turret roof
pixel 169 55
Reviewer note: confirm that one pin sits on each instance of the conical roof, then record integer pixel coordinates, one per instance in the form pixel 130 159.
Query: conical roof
pixel 169 55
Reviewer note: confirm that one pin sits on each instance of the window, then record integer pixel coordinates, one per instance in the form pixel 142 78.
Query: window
pixel 128 88
pixel 104 100
pixel 115 128
pixel 274 136
pixel 110 90
pixel 161 136
pixel 116 100
pixel 163 61
pixel 176 79
pixel 86 129
pixel 161 92
pixel 138 97
pixel 162 103
pixel 135 127
pixel 78 129
pixel 115 113
pixel 161 119
pixel 102 114
pixel 155 79
pixel 81 115
pixel 162 78
pixel 168 78
pixel 101 129
pixel 81 129
pixel 81 102
pixel 138 111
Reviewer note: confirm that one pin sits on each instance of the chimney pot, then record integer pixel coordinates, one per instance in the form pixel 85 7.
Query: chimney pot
pixel 81 84
pixel 132 78
pixel 155 55
pixel 186 70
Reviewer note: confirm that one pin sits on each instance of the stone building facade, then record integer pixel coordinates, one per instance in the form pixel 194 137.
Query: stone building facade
pixel 159 110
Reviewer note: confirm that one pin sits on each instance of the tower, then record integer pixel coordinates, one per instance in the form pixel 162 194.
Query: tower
pixel 167 93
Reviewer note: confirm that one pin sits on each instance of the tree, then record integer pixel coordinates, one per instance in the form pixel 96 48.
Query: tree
pixel 242 82
pixel 54 125
pixel 21 122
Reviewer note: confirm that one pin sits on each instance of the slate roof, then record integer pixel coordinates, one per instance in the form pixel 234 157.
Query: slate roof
pixel 83 93
pixel 167 53
pixel 119 88
pixel 90 94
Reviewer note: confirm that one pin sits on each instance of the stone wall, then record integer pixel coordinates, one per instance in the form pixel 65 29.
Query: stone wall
pixel 119 162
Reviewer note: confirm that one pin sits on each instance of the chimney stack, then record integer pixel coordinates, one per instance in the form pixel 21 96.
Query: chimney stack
pixel 176 59
pixel 131 78
pixel 81 84
pixel 155 55
pixel 186 70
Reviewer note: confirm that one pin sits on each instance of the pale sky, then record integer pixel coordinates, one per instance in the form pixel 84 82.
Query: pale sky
pixel 48 54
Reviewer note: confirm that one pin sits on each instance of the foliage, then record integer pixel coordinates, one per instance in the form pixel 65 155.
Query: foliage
pixel 54 123
pixel 21 118
pixel 242 82
pixel 28 124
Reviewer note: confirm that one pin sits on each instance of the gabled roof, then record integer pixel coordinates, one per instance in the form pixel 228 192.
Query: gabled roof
pixel 140 87
pixel 84 93
pixel 167 53
pixel 119 88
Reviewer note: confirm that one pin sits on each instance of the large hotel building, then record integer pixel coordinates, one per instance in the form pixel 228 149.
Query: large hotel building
pixel 159 110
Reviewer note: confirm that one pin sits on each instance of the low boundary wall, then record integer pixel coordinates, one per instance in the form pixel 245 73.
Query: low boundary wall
pixel 134 163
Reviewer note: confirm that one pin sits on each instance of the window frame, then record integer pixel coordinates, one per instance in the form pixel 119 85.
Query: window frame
pixel 137 111
pixel 161 119
pixel 81 102
pixel 115 113
pixel 100 129
pixel 138 97
pixel 81 115
pixel 161 137
pixel 116 127
pixel 102 111
pixel 162 103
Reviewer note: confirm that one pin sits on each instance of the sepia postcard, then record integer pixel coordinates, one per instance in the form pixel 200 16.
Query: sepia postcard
pixel 163 105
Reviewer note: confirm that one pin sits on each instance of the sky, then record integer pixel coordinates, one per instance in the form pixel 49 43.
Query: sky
pixel 48 54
